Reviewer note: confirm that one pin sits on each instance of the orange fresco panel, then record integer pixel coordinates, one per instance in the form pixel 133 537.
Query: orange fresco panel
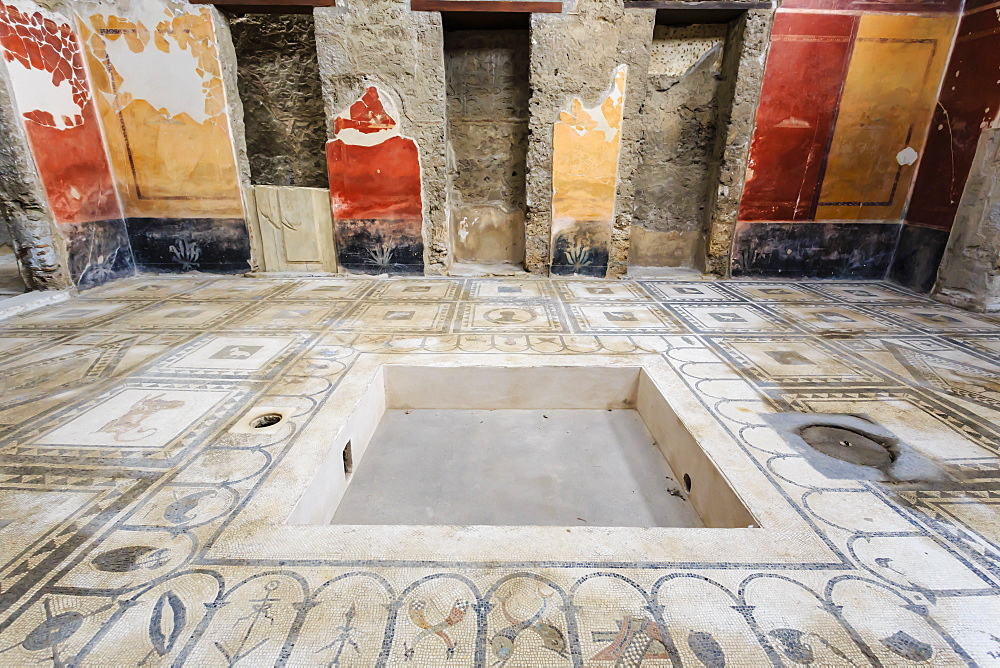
pixel 887 104
pixel 173 156
pixel 585 147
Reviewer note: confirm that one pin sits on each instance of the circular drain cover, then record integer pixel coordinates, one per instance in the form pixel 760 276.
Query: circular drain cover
pixel 847 445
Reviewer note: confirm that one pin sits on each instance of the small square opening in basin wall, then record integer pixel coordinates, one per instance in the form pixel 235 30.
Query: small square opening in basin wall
pixel 518 446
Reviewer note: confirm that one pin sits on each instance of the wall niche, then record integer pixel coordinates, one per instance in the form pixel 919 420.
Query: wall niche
pixel 685 108
pixel 486 73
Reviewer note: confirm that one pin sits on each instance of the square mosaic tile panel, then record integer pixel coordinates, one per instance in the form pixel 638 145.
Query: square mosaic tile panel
pixel 139 527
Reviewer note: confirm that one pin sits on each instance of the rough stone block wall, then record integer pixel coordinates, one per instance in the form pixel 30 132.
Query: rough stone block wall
pixel 487 82
pixel 362 43
pixel 679 122
pixel 743 72
pixel 279 84
pixel 969 275
pixel 40 250
pixel 573 55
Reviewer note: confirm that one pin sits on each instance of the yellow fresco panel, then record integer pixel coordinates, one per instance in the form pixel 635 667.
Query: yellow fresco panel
pixel 888 101
pixel 585 147
pixel 162 105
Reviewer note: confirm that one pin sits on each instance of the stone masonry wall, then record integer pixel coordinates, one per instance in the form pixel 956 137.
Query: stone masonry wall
pixel 743 72
pixel 40 249
pixel 679 123
pixel 574 55
pixel 363 43
pixel 969 275
pixel 279 85
pixel 487 78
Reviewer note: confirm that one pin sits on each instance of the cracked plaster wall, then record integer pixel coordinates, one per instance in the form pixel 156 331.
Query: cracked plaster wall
pixel 573 55
pixel 364 43
pixel 969 275
pixel 56 195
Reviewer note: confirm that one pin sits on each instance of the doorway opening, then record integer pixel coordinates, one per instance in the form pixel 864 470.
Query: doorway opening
pixel 486 75
pixel 685 115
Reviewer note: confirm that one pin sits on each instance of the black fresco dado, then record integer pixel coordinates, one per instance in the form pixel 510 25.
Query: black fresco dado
pixel 99 252
pixel 190 244
pixel 917 257
pixel 814 250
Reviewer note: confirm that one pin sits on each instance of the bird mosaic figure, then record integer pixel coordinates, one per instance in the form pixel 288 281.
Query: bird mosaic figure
pixel 417 611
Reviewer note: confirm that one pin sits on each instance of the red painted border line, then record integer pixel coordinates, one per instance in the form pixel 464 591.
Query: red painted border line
pixel 536 6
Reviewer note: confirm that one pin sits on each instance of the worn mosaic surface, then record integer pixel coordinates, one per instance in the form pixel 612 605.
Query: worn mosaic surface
pixel 121 482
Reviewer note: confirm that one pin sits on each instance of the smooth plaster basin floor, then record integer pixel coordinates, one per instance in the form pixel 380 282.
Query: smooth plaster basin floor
pixel 514 467
pixel 139 526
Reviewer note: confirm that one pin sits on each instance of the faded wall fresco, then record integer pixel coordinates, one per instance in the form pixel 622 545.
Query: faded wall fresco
pixel 585 149
pixel 847 100
pixel 44 63
pixel 156 70
pixel 884 113
pixel 375 189
pixel 486 73
pixel 969 103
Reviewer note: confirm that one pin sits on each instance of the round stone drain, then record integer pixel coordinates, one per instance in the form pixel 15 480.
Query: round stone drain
pixel 847 445
pixel 265 420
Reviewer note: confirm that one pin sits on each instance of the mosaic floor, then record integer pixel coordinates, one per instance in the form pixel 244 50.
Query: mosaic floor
pixel 131 516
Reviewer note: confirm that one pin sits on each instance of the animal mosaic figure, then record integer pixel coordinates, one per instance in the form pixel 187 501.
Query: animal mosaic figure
pixel 179 511
pixel 801 646
pixel 417 610
pixel 128 428
pixel 637 639
pixel 503 642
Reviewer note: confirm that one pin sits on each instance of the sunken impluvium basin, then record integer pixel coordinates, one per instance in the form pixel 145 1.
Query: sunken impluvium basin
pixel 518 446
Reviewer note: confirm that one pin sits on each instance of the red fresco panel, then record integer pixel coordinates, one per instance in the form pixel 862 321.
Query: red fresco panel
pixel 969 101
pixel 375 190
pixel 380 181
pixel 74 170
pixel 69 152
pixel 803 78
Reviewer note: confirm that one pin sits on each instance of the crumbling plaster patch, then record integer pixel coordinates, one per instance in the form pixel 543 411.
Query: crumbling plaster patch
pixel 969 275
pixel 381 42
pixel 572 56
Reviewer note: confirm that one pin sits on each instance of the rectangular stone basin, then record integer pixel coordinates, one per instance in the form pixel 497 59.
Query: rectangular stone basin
pixel 518 446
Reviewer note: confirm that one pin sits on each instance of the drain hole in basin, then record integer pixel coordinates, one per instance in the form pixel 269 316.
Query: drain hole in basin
pixel 847 445
pixel 687 482
pixel 265 420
